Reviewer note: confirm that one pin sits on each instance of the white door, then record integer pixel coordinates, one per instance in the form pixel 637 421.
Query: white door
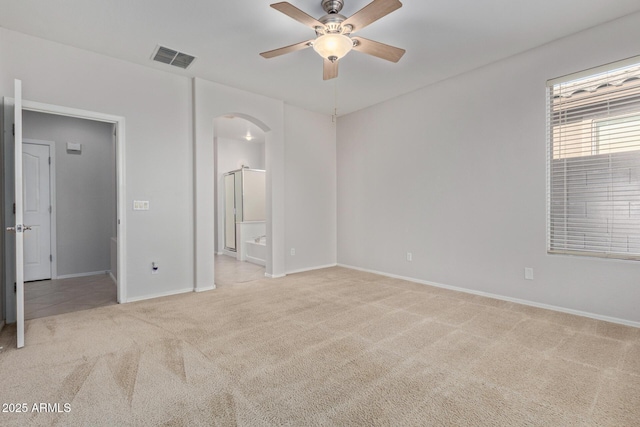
pixel 19 227
pixel 37 211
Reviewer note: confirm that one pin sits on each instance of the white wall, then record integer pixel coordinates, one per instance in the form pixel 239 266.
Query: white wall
pixel 455 174
pixel 85 189
pixel 310 188
pixel 157 107
pixel 231 155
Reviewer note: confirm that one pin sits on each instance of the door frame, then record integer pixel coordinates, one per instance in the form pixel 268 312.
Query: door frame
pixel 52 199
pixel 119 124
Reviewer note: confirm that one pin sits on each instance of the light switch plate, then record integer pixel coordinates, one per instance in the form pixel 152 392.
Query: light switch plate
pixel 140 205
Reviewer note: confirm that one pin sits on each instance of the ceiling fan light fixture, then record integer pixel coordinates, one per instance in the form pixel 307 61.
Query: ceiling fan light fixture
pixel 333 46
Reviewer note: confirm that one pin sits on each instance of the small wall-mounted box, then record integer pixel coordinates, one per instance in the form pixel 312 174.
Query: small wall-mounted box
pixel 74 147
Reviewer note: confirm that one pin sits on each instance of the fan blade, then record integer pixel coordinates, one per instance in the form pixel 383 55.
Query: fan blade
pixel 330 70
pixel 380 50
pixel 371 13
pixel 295 13
pixel 286 49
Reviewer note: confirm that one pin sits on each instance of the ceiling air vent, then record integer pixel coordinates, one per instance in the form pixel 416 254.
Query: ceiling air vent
pixel 173 57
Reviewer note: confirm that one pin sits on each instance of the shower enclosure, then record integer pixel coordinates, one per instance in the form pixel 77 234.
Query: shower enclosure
pixel 244 212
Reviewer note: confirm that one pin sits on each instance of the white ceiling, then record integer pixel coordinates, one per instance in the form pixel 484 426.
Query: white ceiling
pixel 442 38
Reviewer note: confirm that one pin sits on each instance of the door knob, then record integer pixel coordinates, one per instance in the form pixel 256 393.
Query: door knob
pixel 27 227
pixel 11 229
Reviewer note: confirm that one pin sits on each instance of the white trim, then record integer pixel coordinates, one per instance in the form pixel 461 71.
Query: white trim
pixel 231 254
pixel 121 222
pixel 274 276
pixel 113 278
pixel 595 70
pixel 501 297
pixel 254 260
pixel 320 267
pixel 53 248
pixel 208 288
pixel 88 273
pixel 161 294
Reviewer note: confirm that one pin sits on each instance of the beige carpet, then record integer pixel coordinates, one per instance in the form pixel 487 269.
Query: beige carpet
pixel 331 347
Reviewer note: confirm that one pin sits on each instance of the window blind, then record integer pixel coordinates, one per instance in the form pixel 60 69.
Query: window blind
pixel 593 163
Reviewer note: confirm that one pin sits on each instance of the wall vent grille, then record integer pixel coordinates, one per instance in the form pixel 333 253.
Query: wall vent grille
pixel 173 57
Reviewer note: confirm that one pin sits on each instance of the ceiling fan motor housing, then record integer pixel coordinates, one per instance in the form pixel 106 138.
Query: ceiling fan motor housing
pixel 333 32
pixel 333 25
pixel 332 6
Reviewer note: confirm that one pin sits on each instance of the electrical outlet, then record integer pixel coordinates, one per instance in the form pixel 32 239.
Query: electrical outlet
pixel 528 273
pixel 293 251
pixel 409 256
pixel 154 268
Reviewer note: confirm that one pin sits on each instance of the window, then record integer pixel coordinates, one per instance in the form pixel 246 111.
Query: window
pixel 593 164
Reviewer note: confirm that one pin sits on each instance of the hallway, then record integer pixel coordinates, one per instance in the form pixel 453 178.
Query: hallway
pixel 50 297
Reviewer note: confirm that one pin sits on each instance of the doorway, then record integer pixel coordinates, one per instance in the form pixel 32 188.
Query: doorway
pixel 240 200
pixel 80 157
pixel 63 260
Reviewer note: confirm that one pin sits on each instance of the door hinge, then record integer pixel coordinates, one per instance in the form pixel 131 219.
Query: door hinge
pixel 50 258
pixel 50 209
pixel 15 287
pixel 13 129
pixel 14 208
pixel 49 160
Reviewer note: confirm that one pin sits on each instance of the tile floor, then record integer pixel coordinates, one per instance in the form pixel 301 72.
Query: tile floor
pixel 229 271
pixel 50 297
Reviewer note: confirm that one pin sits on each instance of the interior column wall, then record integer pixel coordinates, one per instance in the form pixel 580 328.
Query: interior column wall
pixel 310 183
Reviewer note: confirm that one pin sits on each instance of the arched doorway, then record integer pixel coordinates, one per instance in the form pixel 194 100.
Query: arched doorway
pixel 240 200
pixel 213 100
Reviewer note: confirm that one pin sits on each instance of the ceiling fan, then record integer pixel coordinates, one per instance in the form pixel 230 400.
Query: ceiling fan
pixel 333 33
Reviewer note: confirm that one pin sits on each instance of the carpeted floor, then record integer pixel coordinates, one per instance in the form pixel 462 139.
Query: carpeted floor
pixel 329 347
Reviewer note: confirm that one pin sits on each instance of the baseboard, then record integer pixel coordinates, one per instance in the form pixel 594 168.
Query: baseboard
pixel 230 253
pixel 257 261
pixel 160 294
pixel 208 288
pixel 320 267
pixel 90 273
pixel 113 278
pixel 274 276
pixel 501 297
